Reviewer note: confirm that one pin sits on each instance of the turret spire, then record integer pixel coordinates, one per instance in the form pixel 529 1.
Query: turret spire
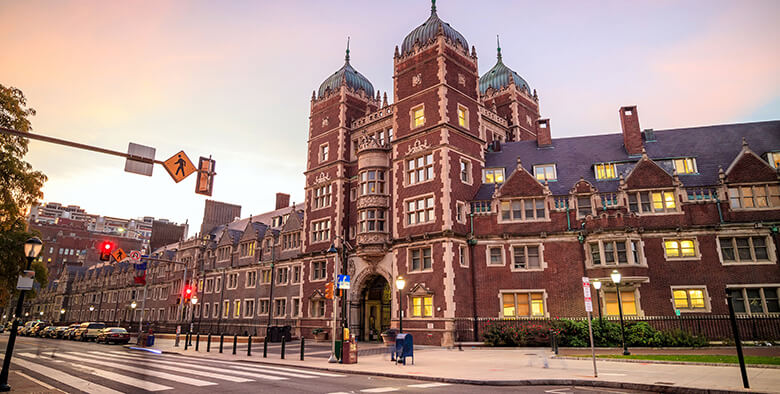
pixel 433 7
pixel 346 58
pixel 498 49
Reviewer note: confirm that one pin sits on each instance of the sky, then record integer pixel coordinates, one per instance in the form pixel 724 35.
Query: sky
pixel 233 79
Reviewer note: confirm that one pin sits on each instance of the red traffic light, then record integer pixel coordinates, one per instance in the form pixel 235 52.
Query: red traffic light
pixel 105 250
pixel 188 291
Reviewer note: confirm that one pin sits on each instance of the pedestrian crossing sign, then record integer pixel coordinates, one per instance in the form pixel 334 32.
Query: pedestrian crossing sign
pixel 119 255
pixel 179 166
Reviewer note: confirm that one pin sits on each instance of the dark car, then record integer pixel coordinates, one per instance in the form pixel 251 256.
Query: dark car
pixel 113 335
pixel 88 331
pixel 71 331
pixel 58 333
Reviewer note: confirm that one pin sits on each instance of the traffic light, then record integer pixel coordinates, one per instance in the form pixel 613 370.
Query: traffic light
pixel 329 290
pixel 188 293
pixel 105 250
pixel 205 182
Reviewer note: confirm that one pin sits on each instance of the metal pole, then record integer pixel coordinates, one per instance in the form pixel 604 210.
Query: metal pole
pixel 400 311
pixel 235 342
pixel 737 340
pixel 202 280
pixel 592 347
pixel 221 341
pixel 284 341
pixel 249 346
pixel 9 350
pixel 302 346
pixel 181 296
pixel 333 358
pixel 265 346
pixel 622 330
pixel 208 344
pixel 197 342
pixel 141 321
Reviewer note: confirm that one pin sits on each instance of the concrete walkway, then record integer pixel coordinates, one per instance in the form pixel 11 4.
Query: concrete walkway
pixel 523 366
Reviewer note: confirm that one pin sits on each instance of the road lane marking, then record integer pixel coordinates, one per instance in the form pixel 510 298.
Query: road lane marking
pixel 64 378
pixel 428 385
pixel 177 369
pixel 380 390
pixel 143 371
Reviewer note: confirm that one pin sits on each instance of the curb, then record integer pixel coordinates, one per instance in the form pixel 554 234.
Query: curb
pixel 657 388
pixel 632 360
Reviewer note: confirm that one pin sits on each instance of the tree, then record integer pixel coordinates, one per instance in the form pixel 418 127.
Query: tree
pixel 20 187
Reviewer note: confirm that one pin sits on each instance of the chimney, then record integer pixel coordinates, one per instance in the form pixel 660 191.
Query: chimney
pixel 543 137
pixel 282 200
pixel 632 136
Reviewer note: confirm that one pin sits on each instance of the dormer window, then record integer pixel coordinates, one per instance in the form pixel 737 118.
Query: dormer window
pixel 493 175
pixel 545 172
pixel 685 165
pixel 774 159
pixel 754 196
pixel 605 171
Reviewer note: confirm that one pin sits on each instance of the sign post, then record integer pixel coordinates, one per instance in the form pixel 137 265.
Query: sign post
pixel 589 309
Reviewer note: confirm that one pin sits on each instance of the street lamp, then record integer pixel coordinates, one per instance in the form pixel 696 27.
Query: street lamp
pixel 32 247
pixel 41 313
pixel 400 283
pixel 616 278
pixel 597 286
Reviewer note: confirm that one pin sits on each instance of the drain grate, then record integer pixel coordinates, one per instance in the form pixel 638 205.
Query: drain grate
pixel 665 383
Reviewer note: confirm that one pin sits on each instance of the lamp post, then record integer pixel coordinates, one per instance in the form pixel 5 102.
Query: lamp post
pixel 91 309
pixel 133 305
pixel 32 247
pixel 597 286
pixel 62 313
pixel 400 283
pixel 616 278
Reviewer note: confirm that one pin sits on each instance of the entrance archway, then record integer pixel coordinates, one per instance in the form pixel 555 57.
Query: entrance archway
pixel 374 308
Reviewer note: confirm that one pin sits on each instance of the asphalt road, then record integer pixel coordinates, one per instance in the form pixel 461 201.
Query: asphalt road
pixel 77 367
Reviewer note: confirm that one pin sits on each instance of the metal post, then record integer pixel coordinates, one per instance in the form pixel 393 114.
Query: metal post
pixel 141 320
pixel 9 350
pixel 302 346
pixel 235 341
pixel 221 341
pixel 197 342
pixel 336 268
pixel 284 340
pixel 249 346
pixel 208 343
pixel 592 347
pixel 622 330
pixel 737 340
pixel 182 310
pixel 186 341
pixel 265 346
pixel 401 311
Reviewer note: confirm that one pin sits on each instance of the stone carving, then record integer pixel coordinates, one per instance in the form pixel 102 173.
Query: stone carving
pixel 325 121
pixel 323 177
pixel 368 201
pixel 461 79
pixel 416 79
pixel 417 147
pixel 351 267
pixel 529 120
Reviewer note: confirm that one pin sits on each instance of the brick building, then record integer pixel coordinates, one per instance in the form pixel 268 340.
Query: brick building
pixel 458 186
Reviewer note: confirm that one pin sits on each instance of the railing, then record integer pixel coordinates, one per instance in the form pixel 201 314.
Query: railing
pixel 701 194
pixel 713 327
pixel 608 200
pixel 560 203
pixel 493 116
pixel 382 113
pixel 480 207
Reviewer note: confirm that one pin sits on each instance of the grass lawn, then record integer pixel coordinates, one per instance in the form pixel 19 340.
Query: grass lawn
pixel 699 358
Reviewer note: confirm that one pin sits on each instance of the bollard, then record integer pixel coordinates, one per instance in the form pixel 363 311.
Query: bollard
pixel 283 342
pixel 186 342
pixel 197 342
pixel 221 341
pixel 249 346
pixel 265 347
pixel 302 340
pixel 235 341
pixel 208 343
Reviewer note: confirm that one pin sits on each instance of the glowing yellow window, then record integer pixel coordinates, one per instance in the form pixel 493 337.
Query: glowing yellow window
pixel 627 298
pixel 537 304
pixel 462 116
pixel 669 200
pixel 685 166
pixel 687 248
pixel 419 117
pixel 689 299
pixel 672 248
pixel 681 299
pixel 509 304
pixel 422 306
pixel 606 171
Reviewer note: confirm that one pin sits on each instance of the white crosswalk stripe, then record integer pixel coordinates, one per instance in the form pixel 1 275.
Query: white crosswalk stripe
pixel 124 379
pixel 428 385
pixel 62 377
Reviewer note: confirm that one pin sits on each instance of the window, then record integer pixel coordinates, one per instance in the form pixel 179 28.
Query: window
pixel 685 165
pixel 463 114
pixel 615 252
pixel 205 310
pixel 317 270
pixel 754 197
pixel 266 278
pixel 545 172
pixel 418 116
pixel 522 304
pixel 743 249
pixel 755 300
pixel 251 279
pixel 605 171
pixel 495 255
pixel 463 256
pixel 390 134
pixel 317 308
pixel 321 197
pixel 246 249
pixel 249 308
pixel 422 306
pixel 225 309
pixel 584 206
pixel 282 275
pixel 460 212
pixel 218 284
pixel 493 175
pixel 526 257
pixel 371 220
pixel 223 253
pixel 692 299
pixel 280 307
pixel 291 240
pixel 323 152
pixel 465 171
pixel 627 299
pixel 320 231
pixel 262 307
pixel 419 169
pixel 372 182
pixel 420 259
pixel 296 307
pixel 296 277
pixel 652 202
pixel 419 211
pixel 676 248
pixel 523 209
pixel 232 281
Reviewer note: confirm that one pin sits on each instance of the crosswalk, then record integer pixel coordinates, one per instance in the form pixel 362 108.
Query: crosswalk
pixel 109 372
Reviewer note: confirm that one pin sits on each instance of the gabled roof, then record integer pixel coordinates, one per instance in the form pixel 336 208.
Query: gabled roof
pixel 748 167
pixel 294 222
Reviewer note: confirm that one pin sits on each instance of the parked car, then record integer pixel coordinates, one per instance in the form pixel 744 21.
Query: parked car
pixel 88 331
pixel 113 335
pixel 2 328
pixel 36 329
pixel 68 334
pixel 46 332
pixel 25 329
pixel 59 331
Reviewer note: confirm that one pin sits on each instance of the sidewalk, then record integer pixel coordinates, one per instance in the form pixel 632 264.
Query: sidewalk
pixel 523 366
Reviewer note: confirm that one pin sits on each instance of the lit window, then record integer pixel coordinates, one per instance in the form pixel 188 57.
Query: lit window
pixel 419 169
pixel 237 308
pixel 774 159
pixel 494 175
pixel 545 172
pixel 422 306
pixel 689 299
pixel 462 114
pixel 522 304
pixel 652 202
pixel 419 211
pixel 754 197
pixel 419 116
pixel 685 165
pixel 627 299
pixel 680 248
pixel 420 259
pixel 605 171
pixel 663 201
pixel 743 249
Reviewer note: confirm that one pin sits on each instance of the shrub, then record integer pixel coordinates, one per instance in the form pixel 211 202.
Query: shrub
pixel 607 333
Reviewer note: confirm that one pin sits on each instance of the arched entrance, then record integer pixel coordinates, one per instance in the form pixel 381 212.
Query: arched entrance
pixel 374 308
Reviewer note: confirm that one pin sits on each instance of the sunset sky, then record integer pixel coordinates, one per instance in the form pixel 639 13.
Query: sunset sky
pixel 233 79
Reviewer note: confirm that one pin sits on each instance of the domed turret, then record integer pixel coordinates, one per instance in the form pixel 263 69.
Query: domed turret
pixel 347 75
pixel 428 31
pixel 501 76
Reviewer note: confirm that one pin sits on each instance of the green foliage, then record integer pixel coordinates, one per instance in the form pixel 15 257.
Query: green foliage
pixel 517 333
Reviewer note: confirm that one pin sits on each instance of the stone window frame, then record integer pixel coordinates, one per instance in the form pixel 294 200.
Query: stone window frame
pixel 688 165
pixel 247 277
pixel 265 276
pixel 379 182
pixel 295 310
pixel 463 255
pixel 460 212
pixel 246 308
pixel 679 239
pixel 364 221
pixel 494 171
pixel 608 287
pixel 465 167
pixel 430 212
pixel 413 119
pixel 525 245
pixel 420 248
pixel 323 230
pixel 323 153
pixel 488 249
pixel 218 284
pixel 707 300
pixel 768 242
pixel 225 311
pixel 223 253
pixel 465 119
pixel 206 310
pixel 322 196
pixel 314 305
pixel 312 271
pixel 604 167
pixel 427 168
pixel 523 217
pixel 236 308
pixel 296 271
pixel 544 168
pixel 589 197
pixel 762 293
pixel 640 209
pixel 232 281
pixel 422 297
pixel 771 189
pixel 279 277
pixel 263 301
pixel 280 301
pixel 631 261
pixel 246 249
pixel 501 293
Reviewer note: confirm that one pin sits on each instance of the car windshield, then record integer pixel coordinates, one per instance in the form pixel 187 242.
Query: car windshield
pixel 97 325
pixel 121 330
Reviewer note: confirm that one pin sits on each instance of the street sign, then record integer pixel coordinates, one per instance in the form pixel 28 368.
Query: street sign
pixel 141 160
pixel 342 282
pixel 586 293
pixel 677 312
pixel 119 255
pixel 205 182
pixel 134 255
pixel 179 166
pixel 25 281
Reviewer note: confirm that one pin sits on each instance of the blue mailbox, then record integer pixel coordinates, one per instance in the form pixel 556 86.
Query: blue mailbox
pixel 404 347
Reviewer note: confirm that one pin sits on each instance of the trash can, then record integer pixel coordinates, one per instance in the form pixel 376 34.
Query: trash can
pixel 337 349
pixel 274 334
pixel 150 340
pixel 286 333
